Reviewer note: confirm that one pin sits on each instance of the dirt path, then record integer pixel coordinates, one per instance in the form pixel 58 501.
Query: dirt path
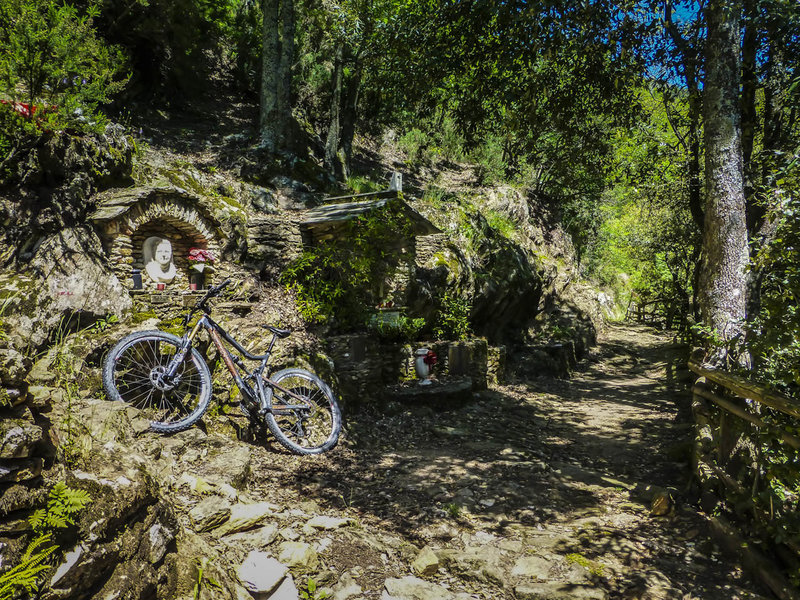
pixel 540 489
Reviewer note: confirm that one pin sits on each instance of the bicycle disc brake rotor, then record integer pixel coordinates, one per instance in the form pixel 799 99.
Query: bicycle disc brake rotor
pixel 159 381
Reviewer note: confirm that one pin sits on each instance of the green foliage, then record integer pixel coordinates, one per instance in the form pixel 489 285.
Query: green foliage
pixel 51 56
pixel 501 223
pixel 204 581
pixel 341 278
pixel 23 579
pixel 173 44
pixel 489 156
pixel 402 329
pixel 452 321
pixel 361 185
pixel 413 143
pixel 63 506
pixel 645 244
pixel 774 338
pixel 311 591
pixel 453 510
pixel 594 567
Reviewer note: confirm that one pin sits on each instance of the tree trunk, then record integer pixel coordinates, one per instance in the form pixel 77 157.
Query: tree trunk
pixel 286 62
pixel 749 114
pixel 269 121
pixel 725 252
pixel 332 162
pixel 349 115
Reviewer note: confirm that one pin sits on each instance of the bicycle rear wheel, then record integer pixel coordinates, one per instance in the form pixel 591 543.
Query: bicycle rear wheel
pixel 132 373
pixel 308 420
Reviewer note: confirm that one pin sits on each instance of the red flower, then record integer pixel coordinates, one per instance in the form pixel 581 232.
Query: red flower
pixel 430 358
pixel 200 255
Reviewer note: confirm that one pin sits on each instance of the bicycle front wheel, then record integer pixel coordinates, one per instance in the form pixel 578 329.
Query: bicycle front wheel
pixel 133 372
pixel 303 415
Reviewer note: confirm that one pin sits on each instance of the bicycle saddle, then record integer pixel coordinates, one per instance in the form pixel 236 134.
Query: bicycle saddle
pixel 281 333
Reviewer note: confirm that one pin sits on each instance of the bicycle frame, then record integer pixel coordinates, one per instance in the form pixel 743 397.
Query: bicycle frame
pixel 217 334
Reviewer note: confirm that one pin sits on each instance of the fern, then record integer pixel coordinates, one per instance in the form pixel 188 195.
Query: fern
pixel 63 505
pixel 24 577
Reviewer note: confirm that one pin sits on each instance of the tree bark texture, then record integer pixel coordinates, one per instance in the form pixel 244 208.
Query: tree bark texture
pixel 269 123
pixel 332 162
pixel 725 251
pixel 749 114
pixel 286 61
pixel 348 117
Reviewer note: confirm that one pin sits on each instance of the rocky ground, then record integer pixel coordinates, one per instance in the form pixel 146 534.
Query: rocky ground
pixel 542 489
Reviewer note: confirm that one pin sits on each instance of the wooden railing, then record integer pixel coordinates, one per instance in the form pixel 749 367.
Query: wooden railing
pixel 669 313
pixel 730 417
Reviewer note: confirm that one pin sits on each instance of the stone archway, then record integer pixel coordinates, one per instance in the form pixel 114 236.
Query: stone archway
pixel 127 218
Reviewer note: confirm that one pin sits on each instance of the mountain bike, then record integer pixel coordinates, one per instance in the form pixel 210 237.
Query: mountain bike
pixel 166 377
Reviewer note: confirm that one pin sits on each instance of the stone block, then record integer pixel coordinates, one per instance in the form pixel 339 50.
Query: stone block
pixel 19 438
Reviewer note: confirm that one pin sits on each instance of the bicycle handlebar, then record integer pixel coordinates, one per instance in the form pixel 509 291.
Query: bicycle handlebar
pixel 211 293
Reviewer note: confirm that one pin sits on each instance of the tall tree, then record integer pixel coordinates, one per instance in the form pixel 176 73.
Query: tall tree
pixel 277 59
pixel 725 251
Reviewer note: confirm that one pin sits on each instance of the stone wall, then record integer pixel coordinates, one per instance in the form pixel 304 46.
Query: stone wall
pixel 367 367
pixel 272 242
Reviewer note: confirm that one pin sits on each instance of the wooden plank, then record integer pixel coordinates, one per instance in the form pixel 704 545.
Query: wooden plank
pixel 381 194
pixel 793 441
pixel 746 389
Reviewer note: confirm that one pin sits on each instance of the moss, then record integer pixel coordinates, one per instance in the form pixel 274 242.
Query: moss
pixel 173 326
pixel 141 317
pixel 594 567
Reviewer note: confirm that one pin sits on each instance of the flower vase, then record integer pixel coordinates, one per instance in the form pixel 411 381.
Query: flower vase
pixel 421 366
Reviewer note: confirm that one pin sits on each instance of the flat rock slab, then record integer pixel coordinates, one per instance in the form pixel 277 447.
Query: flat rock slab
pixel 559 591
pixel 299 554
pixel 246 516
pixel 323 522
pixel 439 394
pixel 261 574
pixel 414 588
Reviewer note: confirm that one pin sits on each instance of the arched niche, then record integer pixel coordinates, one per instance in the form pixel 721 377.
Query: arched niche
pixel 128 217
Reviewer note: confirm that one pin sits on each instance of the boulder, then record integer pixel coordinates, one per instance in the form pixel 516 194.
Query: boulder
pixel 246 516
pixel 346 588
pixel 287 590
pixel 559 591
pixel 426 563
pixel 209 513
pixel 413 588
pixel 69 280
pixel 532 567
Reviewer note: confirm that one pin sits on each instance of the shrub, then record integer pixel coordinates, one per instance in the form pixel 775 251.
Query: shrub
pixel 453 318
pixel 413 143
pixel 50 54
pixel 340 278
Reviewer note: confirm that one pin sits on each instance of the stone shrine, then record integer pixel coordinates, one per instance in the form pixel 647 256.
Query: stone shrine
pixel 153 231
